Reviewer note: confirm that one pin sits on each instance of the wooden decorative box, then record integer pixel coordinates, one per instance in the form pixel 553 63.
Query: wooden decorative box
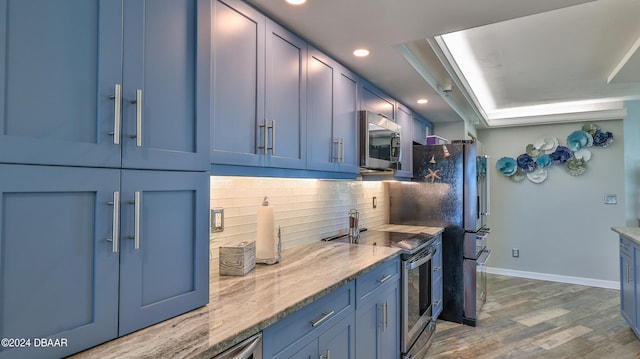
pixel 238 259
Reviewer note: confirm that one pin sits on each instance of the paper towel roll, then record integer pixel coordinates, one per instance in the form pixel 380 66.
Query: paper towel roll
pixel 265 236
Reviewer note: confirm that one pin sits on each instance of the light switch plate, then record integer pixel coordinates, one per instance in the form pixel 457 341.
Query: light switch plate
pixel 610 199
pixel 217 220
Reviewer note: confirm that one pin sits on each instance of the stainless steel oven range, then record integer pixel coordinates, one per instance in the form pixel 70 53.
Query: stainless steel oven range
pixel 416 311
pixel 417 307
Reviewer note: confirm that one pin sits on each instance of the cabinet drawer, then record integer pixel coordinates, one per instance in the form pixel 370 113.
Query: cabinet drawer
pixel 319 314
pixel 626 247
pixel 382 274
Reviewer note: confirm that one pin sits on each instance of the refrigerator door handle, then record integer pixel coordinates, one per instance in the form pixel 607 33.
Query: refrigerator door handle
pixel 487 183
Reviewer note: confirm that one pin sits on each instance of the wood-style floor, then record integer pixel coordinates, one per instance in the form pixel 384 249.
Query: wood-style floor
pixel 526 318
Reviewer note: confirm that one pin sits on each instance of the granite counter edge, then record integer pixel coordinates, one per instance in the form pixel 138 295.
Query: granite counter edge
pixel 630 233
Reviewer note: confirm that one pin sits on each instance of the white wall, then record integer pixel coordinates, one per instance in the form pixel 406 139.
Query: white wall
pixel 632 162
pixel 561 226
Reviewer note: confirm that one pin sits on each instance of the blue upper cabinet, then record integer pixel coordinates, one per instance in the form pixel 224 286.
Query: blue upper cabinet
pixel 53 107
pixel 420 130
pixel 323 147
pixel 375 100
pixel 166 84
pixel 345 118
pixel 238 84
pixel 405 120
pixel 259 90
pixel 332 101
pixel 285 99
pixel 105 96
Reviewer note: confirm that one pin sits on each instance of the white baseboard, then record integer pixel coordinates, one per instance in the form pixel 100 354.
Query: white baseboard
pixel 556 278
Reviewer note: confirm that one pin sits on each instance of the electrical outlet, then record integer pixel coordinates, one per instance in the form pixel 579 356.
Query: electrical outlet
pixel 375 202
pixel 515 252
pixel 217 220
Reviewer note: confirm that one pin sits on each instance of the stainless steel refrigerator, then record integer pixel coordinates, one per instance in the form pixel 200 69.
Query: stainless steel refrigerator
pixel 450 189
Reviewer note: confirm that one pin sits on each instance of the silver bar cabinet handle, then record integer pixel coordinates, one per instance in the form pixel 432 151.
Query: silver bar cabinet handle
pixel 115 225
pixel 325 316
pixel 341 150
pixel 273 137
pixel 117 117
pixel 136 219
pixel 139 117
pixel 384 279
pixel 336 157
pixel 264 136
pixel 386 315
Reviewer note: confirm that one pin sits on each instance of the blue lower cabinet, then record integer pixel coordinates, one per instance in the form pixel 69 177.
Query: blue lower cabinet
pixel 59 277
pixel 378 313
pixel 71 275
pixel 358 320
pixel 628 279
pixel 337 342
pixel 164 246
pixel 326 324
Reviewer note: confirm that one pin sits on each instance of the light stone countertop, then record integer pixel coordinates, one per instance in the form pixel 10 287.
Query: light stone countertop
pixel 408 229
pixel 631 233
pixel 242 306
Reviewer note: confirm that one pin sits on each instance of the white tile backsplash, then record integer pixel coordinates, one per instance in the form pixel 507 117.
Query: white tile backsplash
pixel 306 210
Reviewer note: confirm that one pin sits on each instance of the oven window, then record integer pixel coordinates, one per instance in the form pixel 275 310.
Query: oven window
pixel 418 294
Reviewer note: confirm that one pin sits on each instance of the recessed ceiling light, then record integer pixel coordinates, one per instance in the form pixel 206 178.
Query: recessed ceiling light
pixel 361 52
pixel 296 2
pixel 422 101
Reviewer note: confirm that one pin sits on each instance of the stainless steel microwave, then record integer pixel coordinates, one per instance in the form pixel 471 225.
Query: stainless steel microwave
pixel 379 142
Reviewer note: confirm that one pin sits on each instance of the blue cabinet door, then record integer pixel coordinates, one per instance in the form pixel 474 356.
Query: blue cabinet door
pixel 389 331
pixel 285 99
pixel 339 341
pixel 323 148
pixel 377 323
pixel 345 118
pixel 164 271
pixel 310 351
pixel 374 100
pixel 405 120
pixel 166 84
pixel 238 84
pixel 420 130
pixel 367 330
pixel 332 104
pixel 627 282
pixel 59 64
pixel 59 277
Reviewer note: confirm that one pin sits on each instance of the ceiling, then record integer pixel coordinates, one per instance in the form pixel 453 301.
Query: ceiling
pixel 529 54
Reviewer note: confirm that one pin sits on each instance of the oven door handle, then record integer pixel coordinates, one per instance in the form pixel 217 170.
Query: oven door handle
pixel 420 261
